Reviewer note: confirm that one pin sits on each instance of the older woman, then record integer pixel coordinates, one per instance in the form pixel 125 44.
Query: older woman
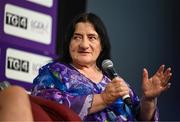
pixel 78 81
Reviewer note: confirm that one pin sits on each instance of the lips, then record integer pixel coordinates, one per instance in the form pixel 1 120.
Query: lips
pixel 83 52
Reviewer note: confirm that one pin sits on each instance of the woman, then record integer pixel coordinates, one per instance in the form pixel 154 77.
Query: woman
pixel 78 81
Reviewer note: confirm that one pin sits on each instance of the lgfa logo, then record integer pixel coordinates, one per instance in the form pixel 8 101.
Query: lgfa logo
pixel 39 27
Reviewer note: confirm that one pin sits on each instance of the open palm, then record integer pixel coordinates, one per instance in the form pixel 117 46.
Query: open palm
pixel 159 82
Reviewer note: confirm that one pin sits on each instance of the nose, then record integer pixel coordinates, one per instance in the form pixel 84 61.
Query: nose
pixel 84 43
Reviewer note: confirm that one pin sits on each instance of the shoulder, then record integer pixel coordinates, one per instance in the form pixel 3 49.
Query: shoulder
pixel 55 66
pixel 48 77
pixel 60 69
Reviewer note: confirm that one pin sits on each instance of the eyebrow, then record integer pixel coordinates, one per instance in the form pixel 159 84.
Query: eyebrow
pixel 93 35
pixel 77 34
pixel 87 34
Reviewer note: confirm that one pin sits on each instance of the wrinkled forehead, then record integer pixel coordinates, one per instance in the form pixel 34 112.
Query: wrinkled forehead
pixel 85 28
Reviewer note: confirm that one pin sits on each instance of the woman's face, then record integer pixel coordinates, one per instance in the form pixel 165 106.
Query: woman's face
pixel 85 45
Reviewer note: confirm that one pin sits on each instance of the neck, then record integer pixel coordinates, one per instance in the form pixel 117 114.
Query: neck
pixel 90 71
pixel 84 66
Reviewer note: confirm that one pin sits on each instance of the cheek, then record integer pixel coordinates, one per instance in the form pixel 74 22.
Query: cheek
pixel 71 46
pixel 98 52
pixel 72 49
pixel 98 48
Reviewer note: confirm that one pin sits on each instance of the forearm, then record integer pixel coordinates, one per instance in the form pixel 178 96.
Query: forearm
pixel 147 109
pixel 97 104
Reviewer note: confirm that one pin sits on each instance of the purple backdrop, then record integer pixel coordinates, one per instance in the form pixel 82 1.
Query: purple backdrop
pixel 49 49
pixel 12 40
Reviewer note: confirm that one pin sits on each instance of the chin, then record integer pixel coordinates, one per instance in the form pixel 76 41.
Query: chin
pixel 84 61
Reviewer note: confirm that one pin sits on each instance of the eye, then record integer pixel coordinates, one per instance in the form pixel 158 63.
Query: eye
pixel 92 38
pixel 77 37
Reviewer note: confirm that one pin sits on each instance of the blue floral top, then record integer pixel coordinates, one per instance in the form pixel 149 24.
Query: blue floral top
pixel 66 85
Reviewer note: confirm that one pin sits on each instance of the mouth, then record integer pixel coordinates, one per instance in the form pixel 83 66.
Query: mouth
pixel 83 52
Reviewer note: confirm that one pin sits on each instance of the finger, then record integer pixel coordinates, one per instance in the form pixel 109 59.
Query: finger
pixel 167 76
pixel 118 81
pixel 123 93
pixel 160 70
pixel 109 86
pixel 166 87
pixel 145 75
pixel 118 86
pixel 115 83
pixel 122 88
pixel 165 82
pixel 167 72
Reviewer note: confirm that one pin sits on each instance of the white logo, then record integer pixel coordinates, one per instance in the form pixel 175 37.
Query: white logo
pixel 17 64
pixel 27 24
pixel 16 21
pixel 23 66
pixel 47 3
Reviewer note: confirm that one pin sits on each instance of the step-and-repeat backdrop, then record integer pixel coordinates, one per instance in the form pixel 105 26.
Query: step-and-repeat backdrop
pixel 27 38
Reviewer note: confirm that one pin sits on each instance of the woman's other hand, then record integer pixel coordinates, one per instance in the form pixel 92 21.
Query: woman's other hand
pixel 158 83
pixel 117 88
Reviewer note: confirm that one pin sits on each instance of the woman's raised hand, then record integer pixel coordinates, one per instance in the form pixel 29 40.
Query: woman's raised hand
pixel 158 83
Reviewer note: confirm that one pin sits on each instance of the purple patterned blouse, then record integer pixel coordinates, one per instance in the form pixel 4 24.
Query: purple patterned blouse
pixel 66 85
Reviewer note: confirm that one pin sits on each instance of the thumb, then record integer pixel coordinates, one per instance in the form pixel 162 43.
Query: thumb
pixel 145 75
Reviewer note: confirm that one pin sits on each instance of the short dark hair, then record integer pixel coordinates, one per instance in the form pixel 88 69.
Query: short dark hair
pixel 99 28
